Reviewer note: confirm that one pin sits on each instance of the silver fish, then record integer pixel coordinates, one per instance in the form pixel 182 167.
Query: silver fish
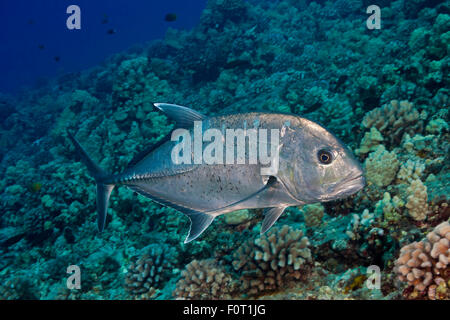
pixel 313 166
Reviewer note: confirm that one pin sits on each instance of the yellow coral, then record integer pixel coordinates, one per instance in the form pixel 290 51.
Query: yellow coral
pixel 381 166
pixel 417 200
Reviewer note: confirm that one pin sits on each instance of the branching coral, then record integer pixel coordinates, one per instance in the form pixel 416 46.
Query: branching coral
pixel 205 279
pixel 410 171
pixel 417 200
pixel 370 141
pixel 394 119
pixel 424 264
pixel 149 271
pixel 390 209
pixel 381 166
pixel 273 261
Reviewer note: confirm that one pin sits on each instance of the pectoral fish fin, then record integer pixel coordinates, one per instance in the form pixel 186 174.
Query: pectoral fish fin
pixel 199 220
pixel 271 216
pixel 183 116
pixel 270 182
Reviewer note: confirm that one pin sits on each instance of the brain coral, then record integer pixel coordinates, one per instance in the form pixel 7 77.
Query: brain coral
pixel 394 119
pixel 204 279
pixel 381 166
pixel 424 264
pixel 148 271
pixel 273 261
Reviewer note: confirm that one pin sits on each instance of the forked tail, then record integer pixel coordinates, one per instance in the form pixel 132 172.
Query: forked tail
pixel 103 189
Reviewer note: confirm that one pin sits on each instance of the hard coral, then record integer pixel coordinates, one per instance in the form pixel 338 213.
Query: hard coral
pixel 149 271
pixel 273 261
pixel 204 279
pixel 410 171
pixel 424 264
pixel 394 119
pixel 18 288
pixel 417 200
pixel 313 214
pixel 381 166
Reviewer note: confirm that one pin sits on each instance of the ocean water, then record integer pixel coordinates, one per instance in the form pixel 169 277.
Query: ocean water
pixel 375 75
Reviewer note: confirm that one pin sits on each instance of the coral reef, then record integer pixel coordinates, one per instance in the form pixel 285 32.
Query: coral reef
pixel 424 264
pixel 394 119
pixel 381 166
pixel 18 289
pixel 273 261
pixel 417 201
pixel 205 279
pixel 148 272
pixel 313 214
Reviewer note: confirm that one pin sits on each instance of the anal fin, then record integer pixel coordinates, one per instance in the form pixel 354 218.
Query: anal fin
pixel 199 222
pixel 271 216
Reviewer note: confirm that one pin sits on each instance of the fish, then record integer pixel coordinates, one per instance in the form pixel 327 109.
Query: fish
pixel 170 17
pixel 311 165
pixel 57 58
pixel 41 46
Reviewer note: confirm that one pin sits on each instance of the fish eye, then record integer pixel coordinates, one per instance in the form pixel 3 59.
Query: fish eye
pixel 324 157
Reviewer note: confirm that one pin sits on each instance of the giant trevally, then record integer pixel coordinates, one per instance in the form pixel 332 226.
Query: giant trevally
pixel 308 164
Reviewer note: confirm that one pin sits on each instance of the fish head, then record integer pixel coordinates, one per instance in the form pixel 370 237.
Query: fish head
pixel 317 166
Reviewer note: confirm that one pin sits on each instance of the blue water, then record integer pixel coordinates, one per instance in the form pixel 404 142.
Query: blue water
pixel 25 25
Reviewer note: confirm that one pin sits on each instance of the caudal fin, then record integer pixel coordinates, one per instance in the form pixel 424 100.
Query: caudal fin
pixel 103 189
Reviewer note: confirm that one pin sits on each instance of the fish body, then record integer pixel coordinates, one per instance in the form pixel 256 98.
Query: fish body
pixel 205 190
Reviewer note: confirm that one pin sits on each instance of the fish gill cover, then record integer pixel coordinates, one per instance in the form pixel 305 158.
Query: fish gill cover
pixel 384 92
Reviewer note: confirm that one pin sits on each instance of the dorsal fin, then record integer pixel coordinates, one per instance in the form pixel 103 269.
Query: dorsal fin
pixel 141 155
pixel 183 116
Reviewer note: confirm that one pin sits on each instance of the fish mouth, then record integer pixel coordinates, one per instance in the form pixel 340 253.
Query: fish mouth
pixel 347 188
pixel 353 184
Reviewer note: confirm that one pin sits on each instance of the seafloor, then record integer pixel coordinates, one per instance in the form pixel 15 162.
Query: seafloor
pixel 384 92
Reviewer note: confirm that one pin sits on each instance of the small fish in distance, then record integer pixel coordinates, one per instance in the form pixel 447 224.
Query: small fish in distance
pixel 170 17
pixel 111 31
pixel 313 166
